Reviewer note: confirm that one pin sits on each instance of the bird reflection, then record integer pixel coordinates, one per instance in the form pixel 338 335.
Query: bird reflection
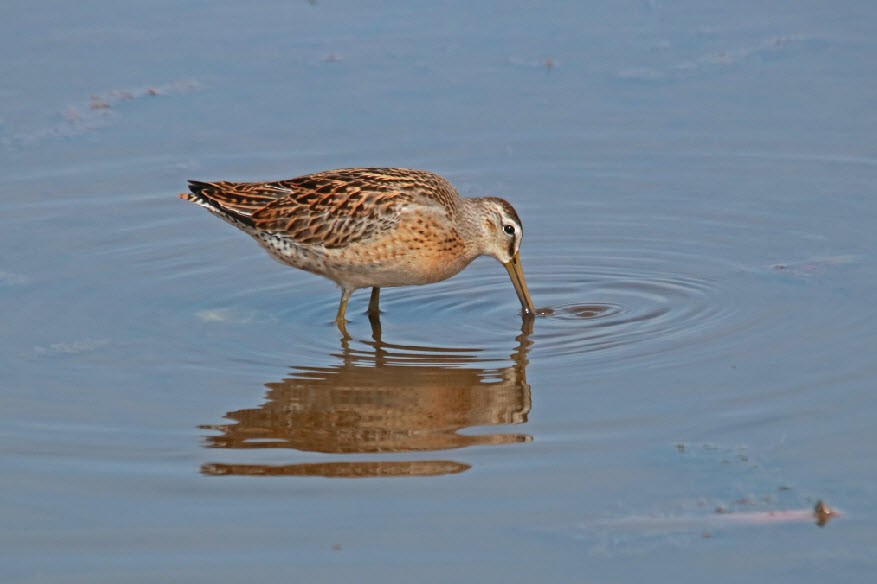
pixel 381 398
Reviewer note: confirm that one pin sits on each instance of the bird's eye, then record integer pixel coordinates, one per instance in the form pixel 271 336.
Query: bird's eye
pixel 510 229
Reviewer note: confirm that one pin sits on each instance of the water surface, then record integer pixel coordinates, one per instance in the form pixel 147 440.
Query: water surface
pixel 695 182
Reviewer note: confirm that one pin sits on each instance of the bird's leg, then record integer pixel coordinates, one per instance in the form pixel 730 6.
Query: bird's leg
pixel 375 320
pixel 342 308
pixel 373 309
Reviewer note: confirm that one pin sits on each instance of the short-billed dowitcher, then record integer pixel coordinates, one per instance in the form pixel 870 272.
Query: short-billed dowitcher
pixel 371 227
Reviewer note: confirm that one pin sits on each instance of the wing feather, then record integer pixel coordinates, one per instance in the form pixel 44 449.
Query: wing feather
pixel 334 208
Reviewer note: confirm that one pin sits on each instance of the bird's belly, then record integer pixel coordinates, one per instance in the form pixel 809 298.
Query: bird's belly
pixel 400 260
pixel 384 276
pixel 368 266
pixel 398 271
pixel 402 257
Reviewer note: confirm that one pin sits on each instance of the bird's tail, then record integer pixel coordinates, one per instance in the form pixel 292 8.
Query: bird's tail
pixel 209 196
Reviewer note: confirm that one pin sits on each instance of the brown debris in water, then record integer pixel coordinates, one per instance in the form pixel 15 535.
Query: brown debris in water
pixel 823 513
pixel 99 110
pixel 97 102
pixel 812 267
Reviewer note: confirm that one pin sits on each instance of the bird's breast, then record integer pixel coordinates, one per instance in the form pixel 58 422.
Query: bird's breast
pixel 421 248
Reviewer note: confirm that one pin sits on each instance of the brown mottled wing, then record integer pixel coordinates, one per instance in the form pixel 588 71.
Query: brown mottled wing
pixel 339 207
pixel 334 208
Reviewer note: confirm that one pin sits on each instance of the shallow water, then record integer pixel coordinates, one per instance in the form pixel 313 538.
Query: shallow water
pixel 695 184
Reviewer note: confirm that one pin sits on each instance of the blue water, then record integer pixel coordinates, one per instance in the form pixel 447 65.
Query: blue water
pixel 695 182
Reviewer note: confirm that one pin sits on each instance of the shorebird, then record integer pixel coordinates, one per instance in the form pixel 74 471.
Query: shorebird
pixel 371 227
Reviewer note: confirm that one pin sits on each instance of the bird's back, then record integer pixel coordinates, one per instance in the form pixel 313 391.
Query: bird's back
pixel 334 208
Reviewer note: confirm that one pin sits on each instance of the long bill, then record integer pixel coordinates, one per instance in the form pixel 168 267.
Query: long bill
pixel 516 273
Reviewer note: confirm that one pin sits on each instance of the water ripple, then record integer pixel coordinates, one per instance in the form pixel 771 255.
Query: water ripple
pixel 630 309
pixel 629 313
